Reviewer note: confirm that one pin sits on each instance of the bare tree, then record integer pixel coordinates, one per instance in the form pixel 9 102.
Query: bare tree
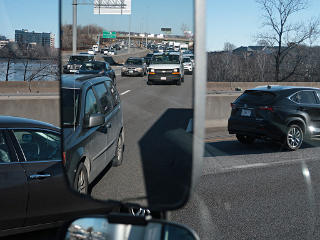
pixel 228 46
pixel 284 34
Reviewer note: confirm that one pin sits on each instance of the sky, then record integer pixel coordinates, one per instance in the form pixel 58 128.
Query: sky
pixel 239 21
pixel 34 15
pixel 147 16
pixel 234 21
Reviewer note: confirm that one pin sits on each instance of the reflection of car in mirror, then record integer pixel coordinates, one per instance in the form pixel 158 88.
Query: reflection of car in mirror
pixel 166 67
pixel 286 114
pixel 134 66
pixel 97 67
pixel 92 127
pixel 75 62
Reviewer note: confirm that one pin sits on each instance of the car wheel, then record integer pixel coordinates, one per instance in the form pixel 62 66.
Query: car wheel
pixel 179 82
pixel 245 139
pixel 117 160
pixel 81 183
pixel 294 137
pixel 142 74
pixel 122 75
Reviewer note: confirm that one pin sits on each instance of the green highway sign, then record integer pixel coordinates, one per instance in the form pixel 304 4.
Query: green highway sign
pixel 109 34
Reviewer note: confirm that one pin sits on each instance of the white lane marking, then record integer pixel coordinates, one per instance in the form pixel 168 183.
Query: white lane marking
pixel 125 92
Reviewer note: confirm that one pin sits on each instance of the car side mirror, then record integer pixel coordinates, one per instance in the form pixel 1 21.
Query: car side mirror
pixel 94 120
pixel 122 226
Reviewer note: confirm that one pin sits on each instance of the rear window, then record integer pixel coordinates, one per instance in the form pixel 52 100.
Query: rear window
pixel 259 97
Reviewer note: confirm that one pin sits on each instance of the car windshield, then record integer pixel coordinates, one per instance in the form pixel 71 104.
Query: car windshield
pixel 165 59
pixel 70 102
pixel 186 60
pixel 134 62
pixel 80 58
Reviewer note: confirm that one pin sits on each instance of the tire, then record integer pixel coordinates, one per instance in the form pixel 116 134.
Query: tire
pixel 142 74
pixel 294 137
pixel 179 82
pixel 118 157
pixel 81 183
pixel 122 75
pixel 244 139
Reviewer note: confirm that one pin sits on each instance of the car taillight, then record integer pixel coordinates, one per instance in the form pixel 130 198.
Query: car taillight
pixel 233 106
pixel 64 158
pixel 267 108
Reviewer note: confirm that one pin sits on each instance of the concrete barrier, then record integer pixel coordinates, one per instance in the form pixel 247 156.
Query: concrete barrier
pixel 218 109
pixel 247 85
pixel 17 87
pixel 43 108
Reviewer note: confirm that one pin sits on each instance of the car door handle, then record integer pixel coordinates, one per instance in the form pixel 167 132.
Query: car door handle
pixel 40 176
pixel 109 125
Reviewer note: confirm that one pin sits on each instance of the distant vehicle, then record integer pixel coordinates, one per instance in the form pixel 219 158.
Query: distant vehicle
pixel 91 51
pixel 166 67
pixel 106 51
pixel 285 114
pixel 95 48
pixel 134 67
pixel 76 61
pixel 92 128
pixel 148 58
pixel 97 67
pixel 184 47
pixel 187 64
pixel 112 52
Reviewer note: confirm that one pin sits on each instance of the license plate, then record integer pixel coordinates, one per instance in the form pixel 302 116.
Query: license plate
pixel 73 70
pixel 246 113
pixel 163 78
pixel 131 71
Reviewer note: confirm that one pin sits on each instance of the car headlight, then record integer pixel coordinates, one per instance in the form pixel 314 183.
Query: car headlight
pixel 139 69
pixel 151 70
pixel 123 69
pixel 176 70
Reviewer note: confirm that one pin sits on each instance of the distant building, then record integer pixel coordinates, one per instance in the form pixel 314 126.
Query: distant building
pixel 24 37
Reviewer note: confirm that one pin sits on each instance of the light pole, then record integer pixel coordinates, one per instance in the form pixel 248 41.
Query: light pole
pixel 74 28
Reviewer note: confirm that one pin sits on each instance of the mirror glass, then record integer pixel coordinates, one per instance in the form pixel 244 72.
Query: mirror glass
pixel 101 229
pixel 141 80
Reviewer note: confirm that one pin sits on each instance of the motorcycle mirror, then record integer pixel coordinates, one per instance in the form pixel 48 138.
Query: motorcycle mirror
pixel 125 227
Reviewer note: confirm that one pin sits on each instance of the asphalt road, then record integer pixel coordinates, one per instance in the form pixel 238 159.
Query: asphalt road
pixel 143 106
pixel 258 191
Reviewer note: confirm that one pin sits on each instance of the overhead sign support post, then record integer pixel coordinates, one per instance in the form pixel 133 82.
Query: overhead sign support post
pixel 74 28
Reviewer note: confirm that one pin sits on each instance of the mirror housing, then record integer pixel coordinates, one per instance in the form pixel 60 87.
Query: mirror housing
pixel 94 120
pixel 125 227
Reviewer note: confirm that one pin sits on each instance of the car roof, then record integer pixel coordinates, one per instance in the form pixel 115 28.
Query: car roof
pixel 76 81
pixel 277 88
pixel 19 122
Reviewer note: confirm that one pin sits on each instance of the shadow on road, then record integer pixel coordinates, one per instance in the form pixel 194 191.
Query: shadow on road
pixel 231 148
pixel 166 155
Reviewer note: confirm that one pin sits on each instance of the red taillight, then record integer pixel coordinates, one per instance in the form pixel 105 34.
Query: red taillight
pixel 64 158
pixel 233 106
pixel 267 108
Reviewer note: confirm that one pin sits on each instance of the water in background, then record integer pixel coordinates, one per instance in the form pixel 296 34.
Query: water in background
pixel 17 68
